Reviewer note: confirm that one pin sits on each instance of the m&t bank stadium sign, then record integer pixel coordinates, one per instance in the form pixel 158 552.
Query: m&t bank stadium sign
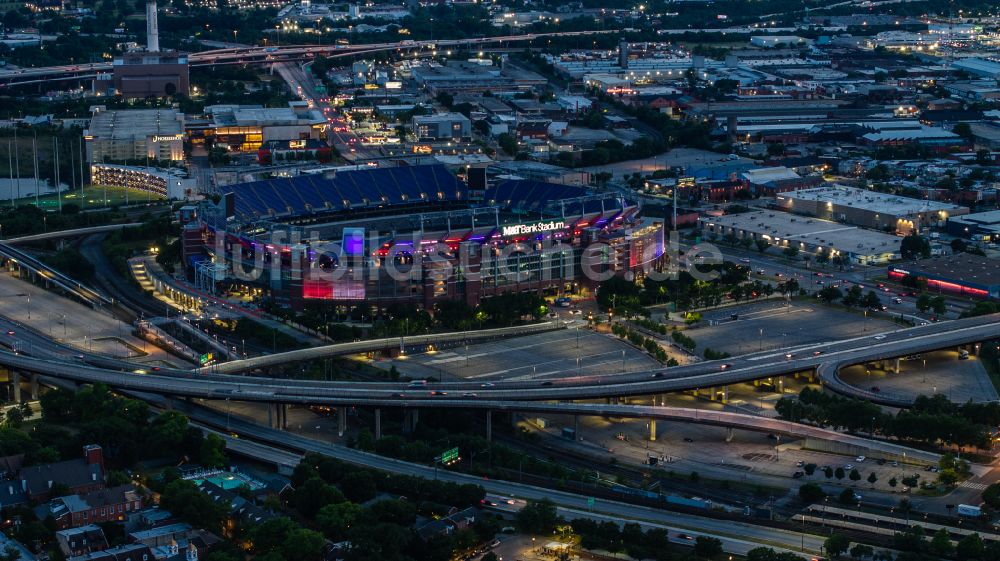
pixel 536 228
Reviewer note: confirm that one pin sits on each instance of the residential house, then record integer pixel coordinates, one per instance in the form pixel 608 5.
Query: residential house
pixel 102 505
pixel 82 540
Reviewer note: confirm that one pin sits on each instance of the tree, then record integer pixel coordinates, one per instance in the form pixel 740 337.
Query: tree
pixel 790 252
pixel 846 497
pixel 828 472
pixel 855 475
pixel 167 432
pixel 313 495
pixel 213 451
pixel 185 500
pixel 871 300
pixel 872 478
pixel 809 468
pixel 507 143
pixel 923 302
pixel 303 544
pixel 937 304
pixel 991 496
pixel 811 493
pixel 862 551
pixel 963 130
pixel 970 547
pixel 707 547
pixel 836 545
pixel 941 543
pixel 538 517
pixel 762 244
pixel 915 246
pixel 359 486
pixel 893 482
pixel 830 294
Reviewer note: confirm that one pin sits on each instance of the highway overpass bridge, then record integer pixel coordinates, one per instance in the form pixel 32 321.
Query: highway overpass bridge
pixel 124 375
pixel 267 55
pixel 51 277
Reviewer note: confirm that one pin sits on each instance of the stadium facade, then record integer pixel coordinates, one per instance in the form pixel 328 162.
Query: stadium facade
pixel 415 235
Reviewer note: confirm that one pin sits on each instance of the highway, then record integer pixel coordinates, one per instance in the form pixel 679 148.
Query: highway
pixel 264 55
pixel 572 504
pixel 477 395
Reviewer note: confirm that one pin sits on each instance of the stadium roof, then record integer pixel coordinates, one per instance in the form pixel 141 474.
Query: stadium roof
pixel 311 194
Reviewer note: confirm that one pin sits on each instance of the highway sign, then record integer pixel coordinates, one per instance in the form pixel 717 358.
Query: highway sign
pixel 449 456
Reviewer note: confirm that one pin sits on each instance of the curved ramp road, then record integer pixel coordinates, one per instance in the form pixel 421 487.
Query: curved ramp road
pixel 473 394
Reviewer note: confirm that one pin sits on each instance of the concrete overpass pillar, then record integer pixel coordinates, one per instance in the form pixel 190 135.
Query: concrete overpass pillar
pixel 725 394
pixel 410 418
pixel 270 415
pixel 283 408
pixel 378 424
pixel 756 383
pixel 34 387
pixel 576 427
pixel 15 381
pixel 341 421
pixel 896 369
pixel 489 425
pixel 729 434
pixel 652 430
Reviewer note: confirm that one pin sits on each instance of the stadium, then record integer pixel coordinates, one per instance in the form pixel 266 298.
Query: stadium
pixel 415 235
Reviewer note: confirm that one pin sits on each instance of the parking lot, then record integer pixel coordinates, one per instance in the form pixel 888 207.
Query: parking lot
pixel 566 352
pixel 939 372
pixel 776 324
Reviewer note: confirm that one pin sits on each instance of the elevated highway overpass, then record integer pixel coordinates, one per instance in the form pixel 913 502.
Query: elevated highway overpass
pixel 120 374
pixel 264 55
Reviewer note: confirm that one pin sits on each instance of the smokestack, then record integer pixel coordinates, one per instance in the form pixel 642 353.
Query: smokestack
pixel 152 30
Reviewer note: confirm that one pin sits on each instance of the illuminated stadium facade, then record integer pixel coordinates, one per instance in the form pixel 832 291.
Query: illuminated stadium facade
pixel 415 235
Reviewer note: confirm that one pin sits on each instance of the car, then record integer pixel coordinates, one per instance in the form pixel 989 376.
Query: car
pixel 725 366
pixel 575 312
pixel 398 395
pixel 10 332
pixel 486 385
pixel 156 369
pixel 688 439
pixel 744 260
pixel 860 459
pixel 546 383
pixel 798 474
pixel 772 436
pixel 857 497
pixel 657 375
pixel 881 461
pixel 849 467
pixel 789 355
pixel 799 463
pixel 817 353
pixel 438 392
pixel 894 463
pixel 685 537
pixel 469 394
pixel 879 337
pixel 897 300
pixel 905 489
pixel 760 271
pixel 79 357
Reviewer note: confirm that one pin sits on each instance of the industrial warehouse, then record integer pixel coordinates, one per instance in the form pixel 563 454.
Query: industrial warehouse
pixel 415 235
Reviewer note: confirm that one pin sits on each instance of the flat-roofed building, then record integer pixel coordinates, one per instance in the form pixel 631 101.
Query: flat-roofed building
pixel 244 128
pixel 869 209
pixel 808 235
pixel 442 126
pixel 964 274
pixel 143 74
pixel 119 135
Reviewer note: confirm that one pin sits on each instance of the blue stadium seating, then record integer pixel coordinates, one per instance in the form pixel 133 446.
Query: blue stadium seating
pixel 288 197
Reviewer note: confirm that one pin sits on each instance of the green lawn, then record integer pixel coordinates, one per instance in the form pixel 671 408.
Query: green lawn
pixel 94 196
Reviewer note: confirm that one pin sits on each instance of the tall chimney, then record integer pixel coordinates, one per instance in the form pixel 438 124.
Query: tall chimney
pixel 152 30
